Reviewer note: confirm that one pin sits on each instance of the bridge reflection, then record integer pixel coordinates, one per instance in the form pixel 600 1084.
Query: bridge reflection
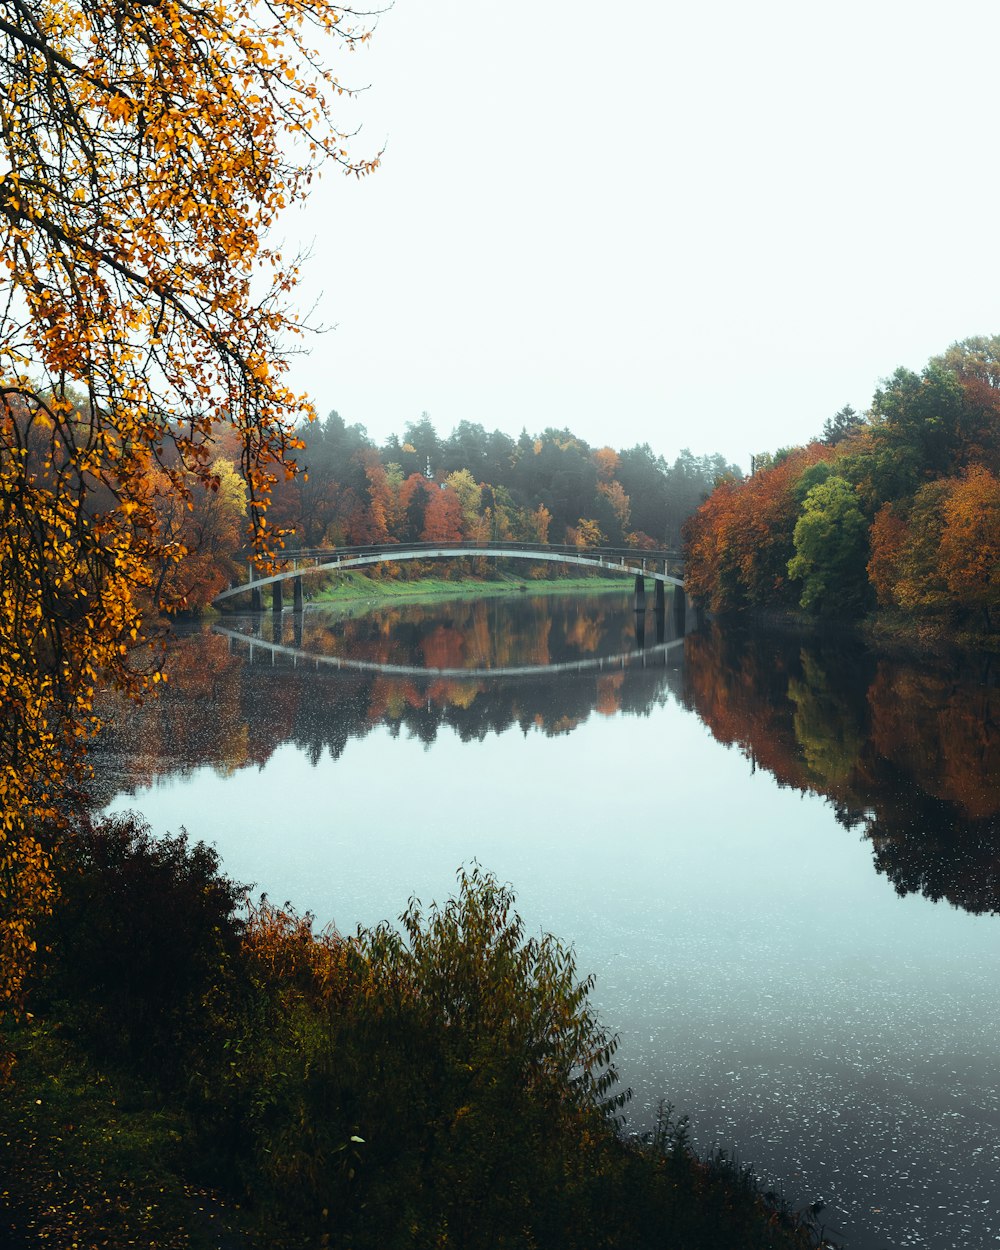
pixel 241 688
pixel 661 654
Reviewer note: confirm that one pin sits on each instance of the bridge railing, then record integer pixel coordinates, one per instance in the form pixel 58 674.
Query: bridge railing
pixel 294 563
pixel 470 546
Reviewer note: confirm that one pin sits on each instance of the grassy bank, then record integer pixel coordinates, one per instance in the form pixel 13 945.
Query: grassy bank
pixel 352 586
pixel 92 1160
pixel 201 1073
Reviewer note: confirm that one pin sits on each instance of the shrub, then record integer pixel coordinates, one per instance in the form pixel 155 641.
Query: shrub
pixel 434 1078
pixel 137 949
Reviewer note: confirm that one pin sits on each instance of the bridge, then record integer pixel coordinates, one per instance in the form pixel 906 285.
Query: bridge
pixel 661 566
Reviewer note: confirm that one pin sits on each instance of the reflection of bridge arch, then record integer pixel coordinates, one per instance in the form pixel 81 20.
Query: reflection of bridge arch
pixel 658 656
pixel 625 560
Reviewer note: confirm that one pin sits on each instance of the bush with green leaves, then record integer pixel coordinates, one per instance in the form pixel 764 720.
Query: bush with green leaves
pixel 440 1083
pixel 436 1077
pixel 138 950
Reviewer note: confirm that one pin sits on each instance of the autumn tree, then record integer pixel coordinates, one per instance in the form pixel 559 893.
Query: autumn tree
pixel 606 461
pixel 711 572
pixel 145 153
pixel 887 539
pixel 976 364
pixel 443 517
pixel 920 586
pixel 970 543
pixel 620 504
pixel 380 497
pixel 469 494
pixel 586 533
pixel 414 497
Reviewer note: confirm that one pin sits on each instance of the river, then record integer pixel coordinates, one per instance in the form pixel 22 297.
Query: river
pixel 781 859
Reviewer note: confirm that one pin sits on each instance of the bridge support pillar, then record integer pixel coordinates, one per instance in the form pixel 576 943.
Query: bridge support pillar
pixel 255 632
pixel 297 594
pixel 659 610
pixel 256 600
pixel 276 600
pixel 640 593
pixel 680 611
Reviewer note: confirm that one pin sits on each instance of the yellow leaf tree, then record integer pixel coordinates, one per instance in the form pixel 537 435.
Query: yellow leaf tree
pixel 145 152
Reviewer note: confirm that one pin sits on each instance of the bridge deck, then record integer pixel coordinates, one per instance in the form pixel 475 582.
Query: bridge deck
pixel 625 560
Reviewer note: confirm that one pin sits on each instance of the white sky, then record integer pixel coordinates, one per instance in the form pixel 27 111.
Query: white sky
pixel 706 225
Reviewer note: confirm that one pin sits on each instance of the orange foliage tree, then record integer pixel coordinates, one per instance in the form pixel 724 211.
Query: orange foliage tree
pixel 710 572
pixel 145 151
pixel 443 517
pixel 209 528
pixel 908 560
pixel 970 542
pixel 606 461
pixel 620 503
pixel 887 539
pixel 739 542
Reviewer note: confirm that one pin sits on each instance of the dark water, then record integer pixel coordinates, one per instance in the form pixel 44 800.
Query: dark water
pixel 782 860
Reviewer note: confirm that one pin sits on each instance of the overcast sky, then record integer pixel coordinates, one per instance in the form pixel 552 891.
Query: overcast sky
pixel 708 225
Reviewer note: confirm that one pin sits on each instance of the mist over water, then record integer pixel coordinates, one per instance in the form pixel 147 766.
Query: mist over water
pixel 779 858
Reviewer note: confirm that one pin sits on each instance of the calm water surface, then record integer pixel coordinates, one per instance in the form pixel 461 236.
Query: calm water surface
pixel 781 860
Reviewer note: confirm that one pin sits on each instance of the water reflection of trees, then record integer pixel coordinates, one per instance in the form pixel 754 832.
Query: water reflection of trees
pixel 474 633
pixel 907 750
pixel 231 703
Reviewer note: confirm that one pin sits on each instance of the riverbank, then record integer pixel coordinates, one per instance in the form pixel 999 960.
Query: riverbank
pixel 353 588
pixel 198 1074
pixel 884 632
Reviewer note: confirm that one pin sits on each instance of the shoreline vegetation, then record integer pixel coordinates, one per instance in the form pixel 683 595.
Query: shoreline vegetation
pixel 350 587
pixel 885 632
pixel 890 519
pixel 198 1070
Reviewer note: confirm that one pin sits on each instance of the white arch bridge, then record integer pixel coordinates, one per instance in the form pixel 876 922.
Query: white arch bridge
pixel 663 567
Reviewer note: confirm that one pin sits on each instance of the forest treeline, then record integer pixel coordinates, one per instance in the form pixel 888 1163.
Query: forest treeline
pixel 897 509
pixel 550 487
pixel 419 487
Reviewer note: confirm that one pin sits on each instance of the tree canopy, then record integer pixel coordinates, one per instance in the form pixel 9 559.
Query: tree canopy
pixel 145 153
pixel 898 506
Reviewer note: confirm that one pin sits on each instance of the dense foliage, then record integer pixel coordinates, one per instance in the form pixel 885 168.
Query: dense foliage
pixel 145 153
pixel 479 485
pixel 475 485
pixel 441 1083
pixel 898 509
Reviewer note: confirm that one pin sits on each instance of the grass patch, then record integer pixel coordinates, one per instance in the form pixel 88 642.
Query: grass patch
pixel 351 586
pixel 94 1161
